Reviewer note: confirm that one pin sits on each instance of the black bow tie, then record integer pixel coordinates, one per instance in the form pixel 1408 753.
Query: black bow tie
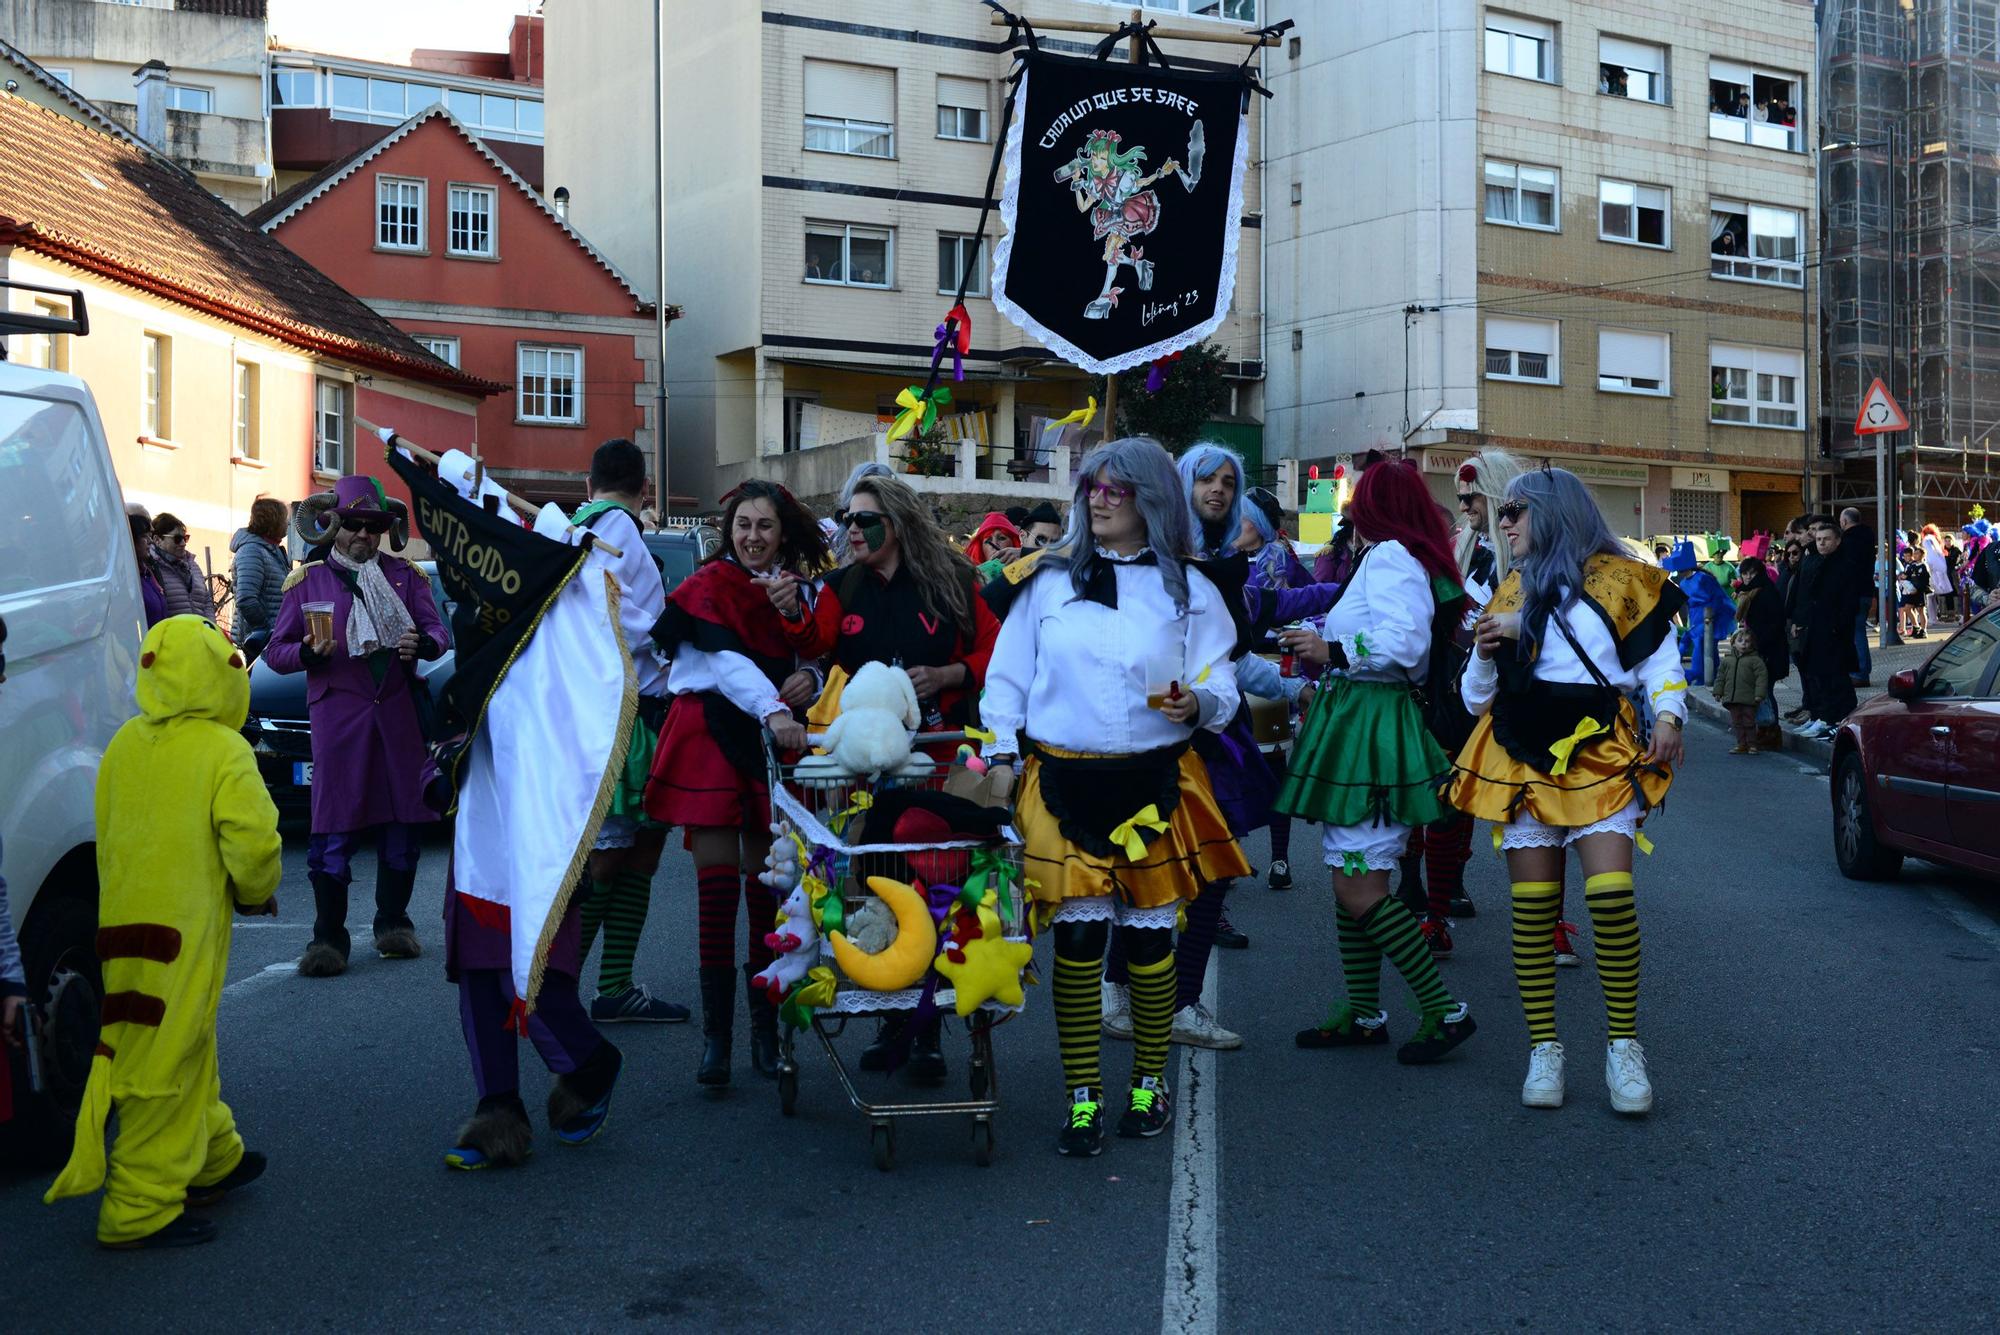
pixel 1100 584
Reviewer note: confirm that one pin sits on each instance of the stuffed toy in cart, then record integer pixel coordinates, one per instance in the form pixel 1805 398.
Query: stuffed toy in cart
pixel 878 718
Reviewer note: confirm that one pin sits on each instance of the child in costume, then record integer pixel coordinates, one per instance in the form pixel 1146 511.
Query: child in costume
pixel 1555 760
pixel 169 873
pixel 994 543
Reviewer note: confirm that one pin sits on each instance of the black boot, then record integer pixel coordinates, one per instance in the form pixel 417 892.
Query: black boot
pixel 763 1027
pixel 395 934
pixel 327 955
pixel 1410 888
pixel 878 1055
pixel 926 1053
pixel 718 1017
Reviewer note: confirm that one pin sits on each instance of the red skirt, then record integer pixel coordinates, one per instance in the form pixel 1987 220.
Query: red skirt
pixel 693 785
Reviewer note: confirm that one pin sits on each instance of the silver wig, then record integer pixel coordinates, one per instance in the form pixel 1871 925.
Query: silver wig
pixel 1141 464
pixel 1565 529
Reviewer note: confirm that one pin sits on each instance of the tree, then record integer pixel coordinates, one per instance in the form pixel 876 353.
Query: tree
pixel 1193 393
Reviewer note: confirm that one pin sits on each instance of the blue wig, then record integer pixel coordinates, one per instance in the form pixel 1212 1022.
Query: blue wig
pixel 1565 529
pixel 1201 462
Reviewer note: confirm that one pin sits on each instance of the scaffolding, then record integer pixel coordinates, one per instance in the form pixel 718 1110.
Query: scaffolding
pixel 1910 243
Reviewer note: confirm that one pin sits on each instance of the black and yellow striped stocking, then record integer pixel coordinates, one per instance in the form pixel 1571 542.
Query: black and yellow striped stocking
pixel 1149 956
pixel 1537 904
pixel 1078 1001
pixel 1614 928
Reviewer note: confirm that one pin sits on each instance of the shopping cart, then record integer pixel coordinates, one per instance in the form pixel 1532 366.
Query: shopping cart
pixel 827 814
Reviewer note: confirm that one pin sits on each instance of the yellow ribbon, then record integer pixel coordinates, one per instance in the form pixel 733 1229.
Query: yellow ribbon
pixel 1202 676
pixel 1496 839
pixel 1645 844
pixel 1127 835
pixel 1670 687
pixel 1082 416
pixel 862 802
pixel 917 408
pixel 1561 750
pixel 981 736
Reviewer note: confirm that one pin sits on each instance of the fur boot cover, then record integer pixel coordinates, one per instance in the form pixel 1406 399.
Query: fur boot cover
pixel 500 1130
pixel 578 1092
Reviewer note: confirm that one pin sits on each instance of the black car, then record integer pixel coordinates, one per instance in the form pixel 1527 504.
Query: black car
pixel 281 736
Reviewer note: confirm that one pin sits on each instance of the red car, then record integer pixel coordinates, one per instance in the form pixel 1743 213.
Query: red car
pixel 1916 771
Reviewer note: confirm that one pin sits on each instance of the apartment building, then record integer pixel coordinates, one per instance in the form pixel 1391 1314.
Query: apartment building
pixel 186 76
pixel 1576 231
pixel 825 170
pixel 1910 200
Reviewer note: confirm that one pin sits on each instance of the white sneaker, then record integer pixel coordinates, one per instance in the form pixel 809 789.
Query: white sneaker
pixel 1196 1028
pixel 1544 1086
pixel 1117 1012
pixel 1625 1073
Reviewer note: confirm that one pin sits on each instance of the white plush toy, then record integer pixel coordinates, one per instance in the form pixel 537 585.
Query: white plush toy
pixel 797 944
pixel 878 716
pixel 781 862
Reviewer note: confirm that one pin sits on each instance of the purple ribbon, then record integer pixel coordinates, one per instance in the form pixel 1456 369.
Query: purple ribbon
pixel 947 341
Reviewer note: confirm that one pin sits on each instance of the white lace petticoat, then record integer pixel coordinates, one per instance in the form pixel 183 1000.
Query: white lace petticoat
pixel 1527 832
pixel 1105 908
pixel 1380 846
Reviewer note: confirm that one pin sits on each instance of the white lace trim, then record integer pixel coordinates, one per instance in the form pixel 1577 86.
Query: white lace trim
pixel 1010 204
pixel 852 1000
pixel 1527 832
pixel 814 832
pixel 1103 908
pixel 617 832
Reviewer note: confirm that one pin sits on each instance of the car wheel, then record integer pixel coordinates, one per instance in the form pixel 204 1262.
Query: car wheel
pixel 59 948
pixel 1861 856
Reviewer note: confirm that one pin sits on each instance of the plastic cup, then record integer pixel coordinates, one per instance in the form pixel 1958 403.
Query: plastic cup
pixel 1163 679
pixel 319 621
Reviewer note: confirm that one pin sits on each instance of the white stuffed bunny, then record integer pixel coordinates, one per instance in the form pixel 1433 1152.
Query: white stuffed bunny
pixel 878 716
pixel 797 944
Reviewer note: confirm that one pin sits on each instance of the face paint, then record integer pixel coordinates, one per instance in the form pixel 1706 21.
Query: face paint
pixel 873 530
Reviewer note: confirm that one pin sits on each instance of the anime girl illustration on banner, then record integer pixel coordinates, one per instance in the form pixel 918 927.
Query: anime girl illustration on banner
pixel 1106 183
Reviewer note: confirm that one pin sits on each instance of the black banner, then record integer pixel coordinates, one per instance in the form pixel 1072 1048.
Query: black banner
pixel 1123 202
pixel 500 577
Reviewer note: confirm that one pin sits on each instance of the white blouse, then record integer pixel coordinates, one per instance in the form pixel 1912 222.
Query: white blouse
pixel 1660 675
pixel 1383 622
pixel 1073 673
pixel 642 596
pixel 735 676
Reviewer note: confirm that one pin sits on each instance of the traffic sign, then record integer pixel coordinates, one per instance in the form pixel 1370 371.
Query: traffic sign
pixel 1879 412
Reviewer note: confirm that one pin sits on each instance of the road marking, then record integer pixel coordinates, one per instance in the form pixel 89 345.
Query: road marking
pixel 268 974
pixel 1960 910
pixel 1193 1289
pixel 282 926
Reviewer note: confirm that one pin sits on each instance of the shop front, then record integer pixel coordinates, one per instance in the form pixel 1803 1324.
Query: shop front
pixel 1619 488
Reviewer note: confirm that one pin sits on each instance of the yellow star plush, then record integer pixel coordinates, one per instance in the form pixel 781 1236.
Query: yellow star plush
pixel 991 971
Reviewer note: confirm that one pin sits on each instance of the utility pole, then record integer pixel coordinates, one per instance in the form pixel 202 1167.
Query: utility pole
pixel 660 292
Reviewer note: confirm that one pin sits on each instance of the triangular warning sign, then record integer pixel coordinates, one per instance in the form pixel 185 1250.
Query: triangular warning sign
pixel 1879 412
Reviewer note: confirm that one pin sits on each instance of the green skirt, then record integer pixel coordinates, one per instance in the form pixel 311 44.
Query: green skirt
pixel 1363 753
pixel 629 798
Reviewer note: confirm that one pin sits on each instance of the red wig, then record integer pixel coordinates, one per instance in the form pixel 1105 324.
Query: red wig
pixel 1391 503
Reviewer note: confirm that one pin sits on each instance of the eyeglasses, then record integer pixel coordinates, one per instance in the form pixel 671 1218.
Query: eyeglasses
pixel 181 536
pixel 1468 497
pixel 1511 511
pixel 1110 493
pixel 860 518
pixel 376 526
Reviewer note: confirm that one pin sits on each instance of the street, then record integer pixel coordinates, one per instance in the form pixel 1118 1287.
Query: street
pixel 1821 1155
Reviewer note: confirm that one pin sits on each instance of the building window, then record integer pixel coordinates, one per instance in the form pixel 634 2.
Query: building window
pixel 1522 47
pixel 48 352
pixel 392 101
pixel 248 442
pixel 1523 350
pixel 961 109
pixel 1747 105
pixel 550 384
pixel 1752 244
pixel 1755 386
pixel 1521 196
pixel 954 253
pixel 399 214
pixel 329 427
pixel 850 109
pixel 1633 213
pixel 852 256
pixel 186 97
pixel 156 387
pixel 440 346
pixel 799 434
pixel 294 88
pixel 1632 361
pixel 1636 70
pixel 472 209
pixel 65 77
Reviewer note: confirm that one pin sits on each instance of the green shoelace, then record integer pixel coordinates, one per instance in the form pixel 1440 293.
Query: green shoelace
pixel 1142 1100
pixel 1081 1115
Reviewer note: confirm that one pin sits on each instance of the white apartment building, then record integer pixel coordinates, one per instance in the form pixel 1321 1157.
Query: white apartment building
pixel 1572 230
pixel 825 170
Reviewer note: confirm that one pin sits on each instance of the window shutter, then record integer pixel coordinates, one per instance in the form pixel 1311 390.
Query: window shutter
pixel 1735 358
pixel 1726 71
pixel 1632 55
pixel 1521 27
pixel 956 92
pixel 1521 335
pixel 850 92
pixel 1631 355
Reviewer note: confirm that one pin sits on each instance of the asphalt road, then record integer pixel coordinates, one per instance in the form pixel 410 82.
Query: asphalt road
pixel 1822 1155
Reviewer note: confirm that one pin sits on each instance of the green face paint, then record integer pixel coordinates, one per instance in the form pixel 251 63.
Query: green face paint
pixel 873 530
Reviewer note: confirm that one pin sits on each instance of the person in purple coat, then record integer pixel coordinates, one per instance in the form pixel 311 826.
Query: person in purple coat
pixel 370 760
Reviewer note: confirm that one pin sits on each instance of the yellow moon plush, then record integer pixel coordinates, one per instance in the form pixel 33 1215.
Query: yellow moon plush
pixel 903 961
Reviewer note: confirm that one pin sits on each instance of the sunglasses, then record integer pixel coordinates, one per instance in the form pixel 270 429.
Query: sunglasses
pixel 860 518
pixel 376 526
pixel 1511 511
pixel 1468 497
pixel 181 536
pixel 1110 493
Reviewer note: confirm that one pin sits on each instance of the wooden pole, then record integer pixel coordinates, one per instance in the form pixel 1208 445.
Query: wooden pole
pixel 520 506
pixel 1166 33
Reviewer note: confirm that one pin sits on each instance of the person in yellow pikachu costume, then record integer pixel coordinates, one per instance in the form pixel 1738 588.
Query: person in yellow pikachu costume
pixel 185 832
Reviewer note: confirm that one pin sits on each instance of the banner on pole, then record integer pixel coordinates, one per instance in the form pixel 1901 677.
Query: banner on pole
pixel 1123 206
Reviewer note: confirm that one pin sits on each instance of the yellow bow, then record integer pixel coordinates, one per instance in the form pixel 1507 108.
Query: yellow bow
pixel 1562 750
pixel 1645 844
pixel 918 408
pixel 863 801
pixel 1127 835
pixel 1082 416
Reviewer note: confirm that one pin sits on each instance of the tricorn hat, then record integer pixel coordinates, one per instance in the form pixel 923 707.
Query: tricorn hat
pixel 360 495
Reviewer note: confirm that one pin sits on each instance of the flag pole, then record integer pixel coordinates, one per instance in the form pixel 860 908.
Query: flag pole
pixel 521 507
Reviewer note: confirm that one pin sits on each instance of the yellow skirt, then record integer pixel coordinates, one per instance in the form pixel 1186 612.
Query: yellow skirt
pixel 1195 850
pixel 1602 778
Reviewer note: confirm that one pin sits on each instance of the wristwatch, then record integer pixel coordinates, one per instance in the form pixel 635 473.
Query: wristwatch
pixel 1674 719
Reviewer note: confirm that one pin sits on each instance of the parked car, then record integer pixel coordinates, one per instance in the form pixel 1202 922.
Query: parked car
pixel 281 734
pixel 1916 771
pixel 69 591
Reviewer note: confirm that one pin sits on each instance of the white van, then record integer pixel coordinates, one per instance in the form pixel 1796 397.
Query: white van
pixel 69 592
